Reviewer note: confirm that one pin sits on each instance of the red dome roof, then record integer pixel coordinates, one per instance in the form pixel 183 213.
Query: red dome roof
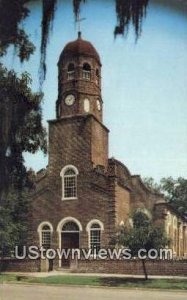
pixel 80 47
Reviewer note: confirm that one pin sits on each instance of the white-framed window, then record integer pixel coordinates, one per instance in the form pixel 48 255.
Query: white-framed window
pixel 95 237
pixel 94 229
pixel 69 182
pixel 46 237
pixel 45 230
pixel 86 71
pixel 71 71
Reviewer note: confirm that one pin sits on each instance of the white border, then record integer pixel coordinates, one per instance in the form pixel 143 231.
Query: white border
pixel 62 175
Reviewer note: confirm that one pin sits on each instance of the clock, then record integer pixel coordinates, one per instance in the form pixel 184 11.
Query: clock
pixel 98 105
pixel 70 99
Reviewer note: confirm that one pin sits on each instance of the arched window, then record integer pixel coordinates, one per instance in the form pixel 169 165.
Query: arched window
pixel 86 71
pixel 45 230
pixel 69 182
pixel 46 237
pixel 71 71
pixel 70 227
pixel 95 237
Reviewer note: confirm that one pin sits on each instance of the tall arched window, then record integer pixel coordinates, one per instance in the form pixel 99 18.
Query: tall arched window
pixel 71 71
pixel 69 182
pixel 95 237
pixel 45 230
pixel 46 237
pixel 86 71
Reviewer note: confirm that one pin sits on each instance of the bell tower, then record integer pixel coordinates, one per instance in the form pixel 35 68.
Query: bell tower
pixel 79 80
pixel 77 136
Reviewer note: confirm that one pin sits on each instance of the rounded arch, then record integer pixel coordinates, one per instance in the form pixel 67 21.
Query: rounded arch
pixel 41 225
pixel 63 171
pixel 71 67
pixel 94 221
pixel 70 227
pixel 68 219
pixel 145 211
pixel 71 71
pixel 86 66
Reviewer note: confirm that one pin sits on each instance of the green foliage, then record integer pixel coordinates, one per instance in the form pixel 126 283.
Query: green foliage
pixel 174 190
pixel 14 221
pixel 21 127
pixel 152 185
pixel 21 130
pixel 7 229
pixel 12 13
pixel 143 235
pixel 176 193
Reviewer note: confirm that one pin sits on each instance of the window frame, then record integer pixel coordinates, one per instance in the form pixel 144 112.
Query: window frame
pixel 62 174
pixel 86 71
pixel 97 232
pixel 89 229
pixel 71 72
pixel 40 231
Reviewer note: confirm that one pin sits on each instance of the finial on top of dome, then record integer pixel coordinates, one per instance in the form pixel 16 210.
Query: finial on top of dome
pixel 78 21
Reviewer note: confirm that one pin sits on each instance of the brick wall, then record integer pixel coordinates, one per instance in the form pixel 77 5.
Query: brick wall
pixel 122 204
pixel 17 265
pixel 99 144
pixel 154 267
pixel 70 143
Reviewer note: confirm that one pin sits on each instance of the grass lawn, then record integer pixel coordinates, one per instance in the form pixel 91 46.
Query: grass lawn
pixel 99 281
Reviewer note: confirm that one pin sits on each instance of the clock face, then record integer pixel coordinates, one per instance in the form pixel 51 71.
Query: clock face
pixel 70 99
pixel 98 105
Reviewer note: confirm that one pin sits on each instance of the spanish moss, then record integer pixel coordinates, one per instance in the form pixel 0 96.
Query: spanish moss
pixel 76 7
pixel 130 12
pixel 127 12
pixel 12 13
pixel 49 7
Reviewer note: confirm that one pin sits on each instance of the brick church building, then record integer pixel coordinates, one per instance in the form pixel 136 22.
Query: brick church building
pixel 82 197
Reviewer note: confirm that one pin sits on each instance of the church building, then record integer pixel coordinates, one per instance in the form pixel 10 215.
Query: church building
pixel 83 196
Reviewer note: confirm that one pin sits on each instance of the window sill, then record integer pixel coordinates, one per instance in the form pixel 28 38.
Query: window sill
pixel 73 198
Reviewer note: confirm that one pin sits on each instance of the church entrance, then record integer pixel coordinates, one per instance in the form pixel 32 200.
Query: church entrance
pixel 69 240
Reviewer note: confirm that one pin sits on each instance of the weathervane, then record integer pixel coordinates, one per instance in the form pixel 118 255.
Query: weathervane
pixel 78 21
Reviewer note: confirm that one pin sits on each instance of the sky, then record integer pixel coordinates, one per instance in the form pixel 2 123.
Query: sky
pixel 144 83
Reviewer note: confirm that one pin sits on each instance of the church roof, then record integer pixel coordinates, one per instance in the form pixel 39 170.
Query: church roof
pixel 80 47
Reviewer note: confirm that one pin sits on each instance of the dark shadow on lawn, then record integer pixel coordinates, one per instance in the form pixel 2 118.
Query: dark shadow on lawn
pixel 117 281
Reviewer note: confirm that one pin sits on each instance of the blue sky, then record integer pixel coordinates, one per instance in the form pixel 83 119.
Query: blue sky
pixel 143 84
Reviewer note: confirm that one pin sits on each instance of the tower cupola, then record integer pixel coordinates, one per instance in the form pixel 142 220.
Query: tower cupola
pixel 79 82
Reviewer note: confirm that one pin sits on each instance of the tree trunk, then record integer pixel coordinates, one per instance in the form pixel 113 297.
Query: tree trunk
pixel 144 269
